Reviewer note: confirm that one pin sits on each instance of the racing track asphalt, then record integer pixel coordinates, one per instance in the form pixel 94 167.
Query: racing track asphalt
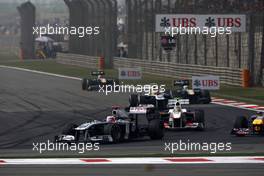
pixel 35 108
pixel 131 170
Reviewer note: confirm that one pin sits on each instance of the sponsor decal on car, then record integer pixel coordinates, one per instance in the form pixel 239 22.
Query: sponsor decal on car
pixel 138 110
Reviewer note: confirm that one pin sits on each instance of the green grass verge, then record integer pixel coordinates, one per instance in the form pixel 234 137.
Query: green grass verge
pixel 250 95
pixel 52 66
pixel 6 56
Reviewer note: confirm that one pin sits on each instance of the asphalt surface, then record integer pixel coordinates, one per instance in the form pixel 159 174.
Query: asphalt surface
pixel 127 170
pixel 35 108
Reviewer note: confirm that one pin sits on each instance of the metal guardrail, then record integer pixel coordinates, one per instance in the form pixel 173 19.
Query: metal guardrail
pixel 229 76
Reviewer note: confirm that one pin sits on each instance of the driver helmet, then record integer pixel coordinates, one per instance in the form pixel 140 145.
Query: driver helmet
pixel 114 112
pixel 111 119
pixel 178 107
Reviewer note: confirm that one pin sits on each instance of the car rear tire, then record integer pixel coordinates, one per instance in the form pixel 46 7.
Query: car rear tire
pixel 133 100
pixel 84 84
pixel 200 119
pixel 69 129
pixel 156 129
pixel 205 95
pixel 145 99
pixel 241 122
pixel 168 94
pixel 114 131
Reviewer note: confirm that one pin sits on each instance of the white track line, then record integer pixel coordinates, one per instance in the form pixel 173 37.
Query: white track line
pixel 40 72
pixel 237 104
pixel 155 160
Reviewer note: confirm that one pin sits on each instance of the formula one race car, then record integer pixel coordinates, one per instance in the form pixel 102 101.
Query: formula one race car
pixel 97 83
pixel 133 122
pixel 179 118
pixel 155 98
pixel 195 96
pixel 253 125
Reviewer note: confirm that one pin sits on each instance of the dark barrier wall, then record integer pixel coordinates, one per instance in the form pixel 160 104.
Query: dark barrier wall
pixel 102 14
pixel 75 13
pixel 91 42
pixel 27 21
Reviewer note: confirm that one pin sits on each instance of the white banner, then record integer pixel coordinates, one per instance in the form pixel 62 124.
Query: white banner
pixel 129 73
pixel 208 82
pixel 237 22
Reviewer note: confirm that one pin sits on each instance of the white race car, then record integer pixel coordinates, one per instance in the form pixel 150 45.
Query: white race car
pixel 179 118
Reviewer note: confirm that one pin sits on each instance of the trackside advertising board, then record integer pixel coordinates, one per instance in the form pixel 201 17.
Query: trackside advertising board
pixel 208 82
pixel 237 22
pixel 130 73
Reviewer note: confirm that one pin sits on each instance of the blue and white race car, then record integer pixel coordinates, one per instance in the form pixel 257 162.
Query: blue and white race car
pixel 133 122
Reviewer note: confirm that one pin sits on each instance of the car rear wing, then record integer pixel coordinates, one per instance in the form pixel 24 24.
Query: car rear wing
pixel 97 73
pixel 172 102
pixel 143 109
pixel 184 82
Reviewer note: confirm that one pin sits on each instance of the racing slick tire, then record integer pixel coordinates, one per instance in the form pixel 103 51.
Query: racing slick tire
pixel 114 131
pixel 241 122
pixel 156 129
pixel 84 84
pixel 200 119
pixel 168 94
pixel 205 95
pixel 69 129
pixel 92 84
pixel 133 100
pixel 162 104
pixel 147 100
